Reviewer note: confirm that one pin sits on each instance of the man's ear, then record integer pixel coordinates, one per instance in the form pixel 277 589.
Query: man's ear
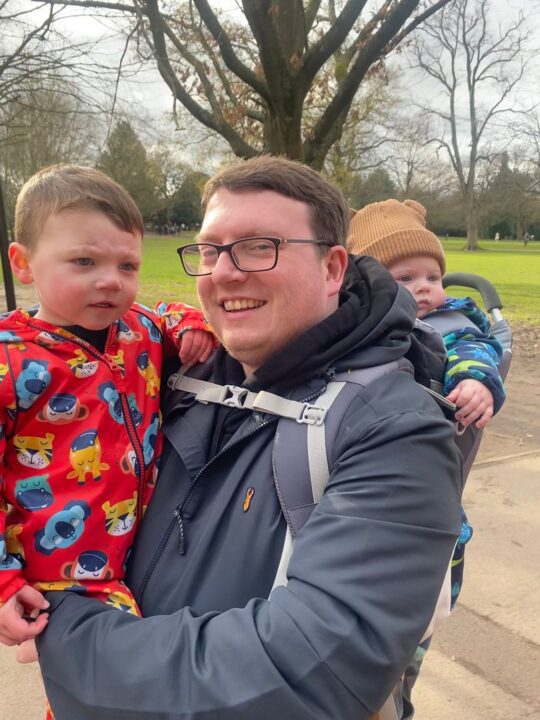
pixel 336 261
pixel 18 259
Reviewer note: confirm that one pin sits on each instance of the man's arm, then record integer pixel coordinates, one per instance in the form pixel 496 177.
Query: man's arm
pixel 364 578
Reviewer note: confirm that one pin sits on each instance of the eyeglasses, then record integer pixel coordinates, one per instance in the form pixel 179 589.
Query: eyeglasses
pixel 256 254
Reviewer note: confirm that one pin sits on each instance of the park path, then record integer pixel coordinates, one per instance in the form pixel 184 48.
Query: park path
pixel 484 663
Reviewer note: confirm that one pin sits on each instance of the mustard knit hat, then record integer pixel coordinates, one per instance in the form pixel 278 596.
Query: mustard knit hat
pixel 391 231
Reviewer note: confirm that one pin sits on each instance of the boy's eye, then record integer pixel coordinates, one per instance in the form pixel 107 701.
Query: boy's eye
pixel 84 261
pixel 404 278
pixel 130 267
pixel 434 278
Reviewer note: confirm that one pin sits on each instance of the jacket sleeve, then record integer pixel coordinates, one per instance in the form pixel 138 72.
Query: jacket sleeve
pixel 474 354
pixel 11 578
pixel 364 578
pixel 175 319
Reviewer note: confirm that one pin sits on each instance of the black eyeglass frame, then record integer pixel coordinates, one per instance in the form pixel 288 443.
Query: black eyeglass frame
pixel 228 248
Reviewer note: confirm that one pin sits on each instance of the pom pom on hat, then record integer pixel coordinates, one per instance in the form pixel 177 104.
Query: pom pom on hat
pixel 391 231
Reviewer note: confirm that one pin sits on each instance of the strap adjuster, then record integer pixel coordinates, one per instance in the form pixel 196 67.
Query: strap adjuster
pixel 237 396
pixel 312 415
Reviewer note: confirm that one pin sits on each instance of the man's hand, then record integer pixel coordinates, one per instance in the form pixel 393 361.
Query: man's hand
pixel 14 628
pixel 196 346
pixel 474 402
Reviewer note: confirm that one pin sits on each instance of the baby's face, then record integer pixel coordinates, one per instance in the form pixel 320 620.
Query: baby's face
pixel 422 278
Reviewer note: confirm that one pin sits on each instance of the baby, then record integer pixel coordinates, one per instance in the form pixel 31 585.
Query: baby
pixel 395 233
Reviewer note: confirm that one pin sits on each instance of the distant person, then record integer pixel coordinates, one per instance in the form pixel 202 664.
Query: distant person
pixel 526 239
pixel 227 632
pixel 394 233
pixel 497 237
pixel 79 396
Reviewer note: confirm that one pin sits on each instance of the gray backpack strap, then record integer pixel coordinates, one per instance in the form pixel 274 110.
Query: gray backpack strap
pixel 301 455
pixel 205 392
pixel 446 322
pixel 300 458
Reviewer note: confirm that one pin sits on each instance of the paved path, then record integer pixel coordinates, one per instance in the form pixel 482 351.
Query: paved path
pixel 485 661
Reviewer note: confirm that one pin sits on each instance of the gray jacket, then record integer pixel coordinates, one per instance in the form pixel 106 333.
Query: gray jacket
pixel 365 573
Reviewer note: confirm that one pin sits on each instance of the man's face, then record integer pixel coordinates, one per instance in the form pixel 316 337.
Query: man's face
pixel 255 314
pixel 422 278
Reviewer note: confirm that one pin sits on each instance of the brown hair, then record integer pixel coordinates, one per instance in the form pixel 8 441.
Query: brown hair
pixel 58 188
pixel 329 211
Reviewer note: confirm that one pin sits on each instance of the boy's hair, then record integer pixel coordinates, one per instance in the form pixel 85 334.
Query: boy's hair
pixel 59 188
pixel 329 211
pixel 391 231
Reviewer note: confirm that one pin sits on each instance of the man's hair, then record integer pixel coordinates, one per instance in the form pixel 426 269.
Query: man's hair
pixel 60 188
pixel 329 211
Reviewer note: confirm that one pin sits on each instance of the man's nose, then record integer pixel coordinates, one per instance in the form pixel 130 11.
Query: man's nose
pixel 226 271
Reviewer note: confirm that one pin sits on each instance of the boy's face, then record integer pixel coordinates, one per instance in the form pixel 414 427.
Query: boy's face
pixel 84 269
pixel 422 278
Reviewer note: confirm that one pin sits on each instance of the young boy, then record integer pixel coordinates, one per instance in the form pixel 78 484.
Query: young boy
pixel 395 233
pixel 79 395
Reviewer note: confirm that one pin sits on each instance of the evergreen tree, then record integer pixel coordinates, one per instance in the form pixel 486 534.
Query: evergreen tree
pixel 124 159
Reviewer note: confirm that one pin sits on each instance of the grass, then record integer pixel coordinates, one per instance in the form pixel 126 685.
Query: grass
pixel 512 268
pixel 162 275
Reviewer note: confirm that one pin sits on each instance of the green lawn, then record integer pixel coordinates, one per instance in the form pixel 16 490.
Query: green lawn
pixel 162 275
pixel 512 268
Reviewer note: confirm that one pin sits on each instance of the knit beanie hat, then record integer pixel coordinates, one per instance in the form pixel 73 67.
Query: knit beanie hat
pixel 391 231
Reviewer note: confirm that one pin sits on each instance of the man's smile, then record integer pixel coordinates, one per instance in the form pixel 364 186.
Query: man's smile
pixel 242 304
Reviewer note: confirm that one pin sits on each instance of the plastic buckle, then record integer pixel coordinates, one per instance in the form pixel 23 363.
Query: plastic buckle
pixel 312 415
pixel 173 380
pixel 237 396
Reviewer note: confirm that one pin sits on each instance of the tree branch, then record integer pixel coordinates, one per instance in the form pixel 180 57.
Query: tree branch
pixel 230 58
pixel 238 145
pixel 329 126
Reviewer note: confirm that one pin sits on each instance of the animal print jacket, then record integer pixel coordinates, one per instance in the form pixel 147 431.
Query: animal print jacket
pixel 79 447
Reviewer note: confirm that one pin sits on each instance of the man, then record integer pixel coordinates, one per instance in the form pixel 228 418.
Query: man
pixel 217 642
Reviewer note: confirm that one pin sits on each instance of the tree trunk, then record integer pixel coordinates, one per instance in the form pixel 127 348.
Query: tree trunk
pixel 283 134
pixel 472 227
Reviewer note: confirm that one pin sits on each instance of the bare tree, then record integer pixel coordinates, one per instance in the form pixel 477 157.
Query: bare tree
pixel 476 65
pixel 252 78
pixel 44 126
